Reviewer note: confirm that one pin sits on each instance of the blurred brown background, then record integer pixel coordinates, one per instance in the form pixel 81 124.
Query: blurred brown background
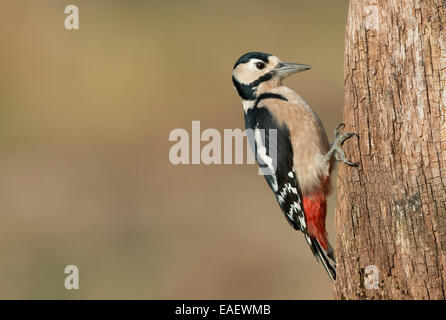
pixel 85 176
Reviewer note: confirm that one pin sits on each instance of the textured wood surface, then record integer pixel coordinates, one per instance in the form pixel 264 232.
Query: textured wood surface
pixel 392 209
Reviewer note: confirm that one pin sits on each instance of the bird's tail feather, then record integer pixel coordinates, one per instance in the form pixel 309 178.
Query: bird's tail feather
pixel 326 257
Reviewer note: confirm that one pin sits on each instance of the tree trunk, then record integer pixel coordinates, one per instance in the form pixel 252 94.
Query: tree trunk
pixel 391 210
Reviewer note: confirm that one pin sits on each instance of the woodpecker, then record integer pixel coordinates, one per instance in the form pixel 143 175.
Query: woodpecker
pixel 291 147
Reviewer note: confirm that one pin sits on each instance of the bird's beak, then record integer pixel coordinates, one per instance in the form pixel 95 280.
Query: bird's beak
pixel 284 69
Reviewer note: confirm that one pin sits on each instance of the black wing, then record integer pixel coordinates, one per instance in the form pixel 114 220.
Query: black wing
pixel 271 144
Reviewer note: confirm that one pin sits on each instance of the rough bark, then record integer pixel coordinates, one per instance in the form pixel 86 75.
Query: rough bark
pixel 392 209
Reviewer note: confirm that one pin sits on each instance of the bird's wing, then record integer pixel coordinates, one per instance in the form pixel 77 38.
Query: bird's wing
pixel 271 144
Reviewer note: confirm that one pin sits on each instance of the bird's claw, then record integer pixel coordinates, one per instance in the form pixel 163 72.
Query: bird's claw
pixel 340 127
pixel 336 146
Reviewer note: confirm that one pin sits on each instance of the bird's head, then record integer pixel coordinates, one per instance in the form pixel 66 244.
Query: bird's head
pixel 256 72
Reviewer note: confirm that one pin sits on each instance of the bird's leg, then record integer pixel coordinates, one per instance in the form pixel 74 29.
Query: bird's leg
pixel 336 146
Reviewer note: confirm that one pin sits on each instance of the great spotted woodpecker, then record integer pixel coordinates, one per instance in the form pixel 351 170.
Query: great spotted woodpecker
pixel 298 161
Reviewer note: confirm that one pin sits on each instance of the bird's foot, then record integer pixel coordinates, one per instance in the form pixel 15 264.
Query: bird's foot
pixel 336 146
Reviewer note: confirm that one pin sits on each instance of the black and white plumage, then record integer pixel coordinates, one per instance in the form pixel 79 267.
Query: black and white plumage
pixel 290 145
pixel 280 174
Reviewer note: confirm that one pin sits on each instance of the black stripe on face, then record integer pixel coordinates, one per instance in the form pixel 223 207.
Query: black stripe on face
pixel 248 91
pixel 245 91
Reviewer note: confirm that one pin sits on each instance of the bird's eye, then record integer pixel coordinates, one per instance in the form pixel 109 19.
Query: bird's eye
pixel 260 65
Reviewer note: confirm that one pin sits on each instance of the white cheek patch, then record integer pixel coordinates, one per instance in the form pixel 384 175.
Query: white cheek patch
pixel 247 73
pixel 268 161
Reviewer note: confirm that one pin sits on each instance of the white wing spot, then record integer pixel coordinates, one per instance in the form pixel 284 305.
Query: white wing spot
pixel 261 152
pixel 302 221
pixel 287 188
pixel 293 208
pixel 308 239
